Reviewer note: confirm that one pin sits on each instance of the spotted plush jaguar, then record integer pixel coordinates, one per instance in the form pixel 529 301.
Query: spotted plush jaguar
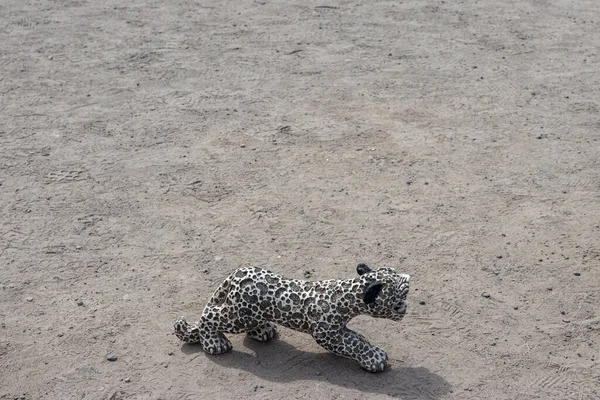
pixel 252 300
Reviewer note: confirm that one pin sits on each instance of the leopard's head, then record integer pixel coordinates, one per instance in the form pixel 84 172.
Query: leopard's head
pixel 384 292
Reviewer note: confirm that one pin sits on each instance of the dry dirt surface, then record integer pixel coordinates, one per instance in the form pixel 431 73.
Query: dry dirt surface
pixel 150 147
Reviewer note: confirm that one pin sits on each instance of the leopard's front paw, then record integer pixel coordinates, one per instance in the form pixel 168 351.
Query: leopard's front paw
pixel 216 343
pixel 263 333
pixel 375 360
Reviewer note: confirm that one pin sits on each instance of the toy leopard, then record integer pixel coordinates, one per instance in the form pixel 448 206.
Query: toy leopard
pixel 252 300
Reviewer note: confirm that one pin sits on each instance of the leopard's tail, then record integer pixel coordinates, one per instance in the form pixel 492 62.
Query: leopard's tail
pixel 186 332
pixel 220 295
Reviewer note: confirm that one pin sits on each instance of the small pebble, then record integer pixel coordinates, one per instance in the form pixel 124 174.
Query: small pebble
pixel 127 380
pixel 486 295
pixel 29 299
pixel 515 307
pixel 111 357
pixel 422 303
pixel 566 321
pixel 218 258
pixel 79 303
pixel 170 353
pixel 318 373
pixel 577 274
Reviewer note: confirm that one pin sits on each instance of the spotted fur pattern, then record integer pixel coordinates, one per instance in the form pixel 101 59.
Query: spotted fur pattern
pixel 251 300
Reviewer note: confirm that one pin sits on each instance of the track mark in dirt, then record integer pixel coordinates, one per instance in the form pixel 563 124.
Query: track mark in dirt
pixel 207 191
pixel 26 23
pixel 504 93
pixel 452 310
pixel 89 221
pixel 435 338
pixel 551 380
pixel 14 236
pixel 71 175
pixel 582 181
pixel 417 390
pixel 558 367
pixel 99 128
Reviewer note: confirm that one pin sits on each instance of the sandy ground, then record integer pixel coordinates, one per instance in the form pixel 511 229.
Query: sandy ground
pixel 148 148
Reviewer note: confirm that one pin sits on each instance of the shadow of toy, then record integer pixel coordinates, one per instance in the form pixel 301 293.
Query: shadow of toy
pixel 278 361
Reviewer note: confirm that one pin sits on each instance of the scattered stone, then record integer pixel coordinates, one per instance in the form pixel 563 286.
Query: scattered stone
pixel 499 256
pixel 127 380
pixel 307 274
pixel 218 258
pixel 515 307
pixel 566 321
pixel 577 274
pixel 80 303
pixel 30 299
pixel 422 303
pixel 486 295
pixel 318 373
pixel 111 357
pixel 60 334
pixel 170 353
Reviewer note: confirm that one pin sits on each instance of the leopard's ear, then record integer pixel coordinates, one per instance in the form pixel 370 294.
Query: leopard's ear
pixel 362 268
pixel 372 291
